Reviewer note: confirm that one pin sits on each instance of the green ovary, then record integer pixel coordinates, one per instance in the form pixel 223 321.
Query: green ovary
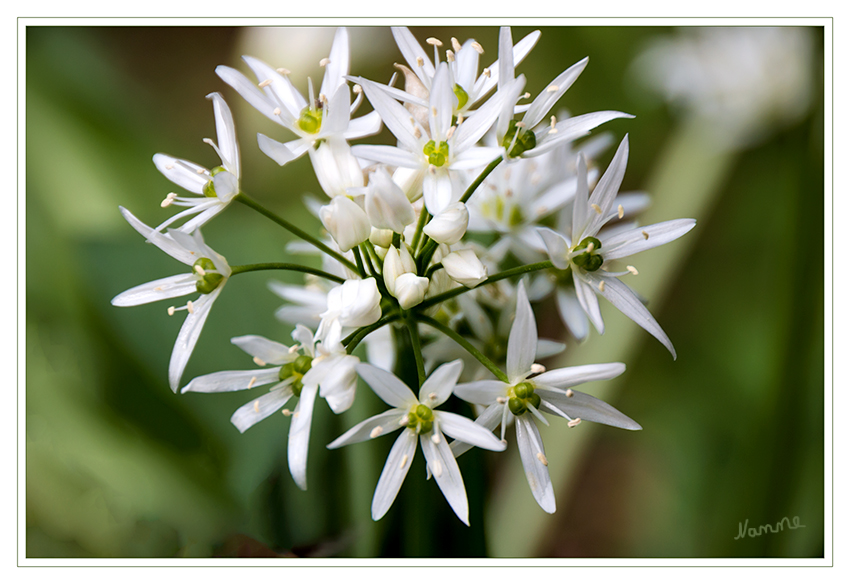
pixel 420 419
pixel 210 279
pixel 438 154
pixel 296 371
pixel 525 140
pixel 521 396
pixel 209 188
pixel 310 120
pixel 589 260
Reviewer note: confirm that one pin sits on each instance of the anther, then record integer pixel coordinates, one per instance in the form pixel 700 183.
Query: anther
pixel 404 421
pixel 376 431
pixel 526 95
pixel 620 211
pixel 432 396
pixel 632 270
pixel 171 310
pixel 645 234
pixel 459 120
pixel 420 61
pixel 570 393
pixel 553 89
pixel 596 208
pixel 451 132
pixel 486 72
pixel 169 198
pixel 283 71
pixel 324 62
pixel 434 111
pixel 478 48
pixel 201 271
pixel 276 111
pixel 456 45
pixel 417 133
pixel 437 468
pixel 286 412
pixel 357 89
pixel 252 382
pixel 552 121
pixel 264 83
pixel 542 458
pixel 403 461
pixel 257 406
pixel 323 98
pixel 158 289
pixel 434 42
pixel 435 438
pixel 190 307
pixel 602 286
pixel 450 56
pixel 574 423
pixel 201 170
pixel 501 399
pixel 169 166
pixel 520 124
pixel 590 247
pixel 537 368
pixel 294 348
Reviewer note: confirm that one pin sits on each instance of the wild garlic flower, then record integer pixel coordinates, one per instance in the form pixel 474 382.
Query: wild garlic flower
pixel 217 186
pixel 588 253
pixel 418 418
pixel 352 304
pixel 208 276
pixel 525 399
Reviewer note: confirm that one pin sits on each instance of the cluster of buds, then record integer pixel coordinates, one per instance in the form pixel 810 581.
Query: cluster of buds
pixel 433 251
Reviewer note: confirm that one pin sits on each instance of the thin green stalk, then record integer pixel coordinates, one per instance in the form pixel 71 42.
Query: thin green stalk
pixel 352 340
pixel 249 202
pixel 424 215
pixel 470 348
pixel 361 269
pixel 433 269
pixel 281 266
pixel 494 278
pixel 416 344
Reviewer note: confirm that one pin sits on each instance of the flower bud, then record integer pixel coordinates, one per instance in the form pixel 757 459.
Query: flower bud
pixel 386 204
pixel 410 290
pixel 356 303
pixel 381 237
pixel 397 263
pixel 346 222
pixel 449 226
pixel 465 268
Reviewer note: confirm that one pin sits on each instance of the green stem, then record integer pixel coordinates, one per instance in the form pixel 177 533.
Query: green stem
pixel 281 266
pixel 361 269
pixel 249 202
pixel 494 278
pixel 456 337
pixel 352 340
pixel 416 344
pixel 433 269
pixel 424 215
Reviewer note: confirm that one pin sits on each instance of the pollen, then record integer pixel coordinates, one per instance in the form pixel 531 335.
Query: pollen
pixel 259 362
pixel 437 468
pixel 190 307
pixel 645 234
pixel 324 62
pixel 620 211
pixel 596 208
pixel 171 310
pixel 542 458
pixel 420 61
pixel 486 72
pixel 570 393
pixel 456 45
pixel 574 423
pixel 276 111
pixel 283 71
pixel 257 406
pixel 435 438
pixel 264 83
pixel 632 270
pixel 478 48
pixel 538 368
pixel 434 42
pixel 357 89
pixel 376 431
pixel 252 382
pixel 602 286
pixel 403 461
pixel 552 89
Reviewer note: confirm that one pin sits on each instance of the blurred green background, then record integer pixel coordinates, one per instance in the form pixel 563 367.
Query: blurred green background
pixel 118 466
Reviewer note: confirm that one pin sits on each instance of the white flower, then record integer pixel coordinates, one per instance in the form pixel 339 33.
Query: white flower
pixel 217 187
pixel 409 289
pixel 465 268
pixel 417 417
pixel 347 223
pixel 524 399
pixel 588 253
pixel 209 274
pixel 355 303
pixel 386 204
pixel 449 226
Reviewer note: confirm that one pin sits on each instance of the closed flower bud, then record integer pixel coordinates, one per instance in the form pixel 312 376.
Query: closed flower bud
pixel 346 222
pixel 449 226
pixel 465 268
pixel 356 303
pixel 386 204
pixel 392 269
pixel 381 237
pixel 410 290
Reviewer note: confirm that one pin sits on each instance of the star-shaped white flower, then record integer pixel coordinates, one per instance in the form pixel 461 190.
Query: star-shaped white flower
pixel 217 187
pixel 589 252
pixel 417 417
pixel 525 399
pixel 210 272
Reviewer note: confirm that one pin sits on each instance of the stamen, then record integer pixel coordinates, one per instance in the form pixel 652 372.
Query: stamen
pixel 259 362
pixel 201 170
pixel 417 133
pixel 257 406
pixel 264 83
pixel 450 132
pixel 537 368
pixel 574 423
pixel 171 310
pixel 456 45
pixel 520 124
pixel 553 89
pixel 286 412
pixel 404 421
pixel 420 61
pixel 324 62
pixel 357 89
pixel 590 247
pixel 501 399
pixel 190 307
pixel 432 396
pixel 435 438
pixel 459 119
pixel 620 211
pixel 376 431
pixel 201 271
pixel 526 95
pixel 403 461
pixel 434 42
pixel 283 70
pixel 169 166
pixel 434 111
pixel 437 468
pixel 596 208
pixel 632 270
pixel 323 98
pixel 645 234
pixel 542 458
pixel 570 393
pixel 478 48
pixel 602 286
pixel 158 289
pixel 486 72
pixel 276 111
pixel 552 121
pixel 252 382
pixel 450 57
pixel 294 348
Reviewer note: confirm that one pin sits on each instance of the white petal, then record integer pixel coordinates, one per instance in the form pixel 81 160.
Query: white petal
pixel 387 386
pixel 476 157
pixel 642 238
pixel 182 172
pixel 396 118
pixel 440 383
pixel 280 153
pixel 572 129
pixel 260 408
pixel 377 425
pixel 161 289
pixel 280 88
pixel 188 337
pixel 299 436
pixel 572 314
pixel 482 392
pixel 252 94
pixel 557 247
pixel 163 242
pixel 522 342
pixel 338 113
pixel 338 63
pixel 232 380
pixel 304 337
pixel 506 55
pixel 466 430
pixel 581 204
pixel 271 352
pixel 336 167
pixel 490 418
pixel 363 126
pixel 441 104
pixel 226 134
pixel 586 295
pixel 547 348
pixel 607 187
pixel 413 53
pixel 586 407
pixel 546 99
pixel 390 155
pixel 395 470
pixel 437 190
pixel 530 445
pixel 439 457
pixel 339 383
pixel 569 376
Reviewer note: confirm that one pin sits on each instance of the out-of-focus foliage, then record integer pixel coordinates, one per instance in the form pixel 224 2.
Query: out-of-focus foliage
pixel 118 466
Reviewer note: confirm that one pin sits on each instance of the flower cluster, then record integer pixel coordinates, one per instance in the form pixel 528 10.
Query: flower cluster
pixel 433 250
